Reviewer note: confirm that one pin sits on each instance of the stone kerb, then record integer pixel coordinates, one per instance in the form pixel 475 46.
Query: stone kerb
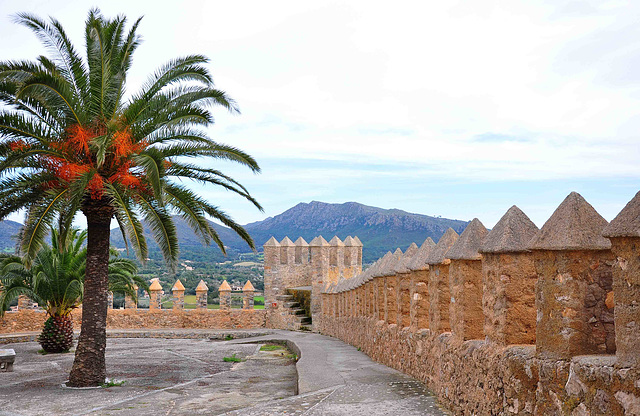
pixel 178 295
pixel 509 278
pixel 155 295
pixel 419 313
pixel 624 233
pixel 247 296
pixel 131 302
pixel 439 293
pixel 465 283
pixel 225 296
pixel 403 293
pixel 202 291
pixel 574 266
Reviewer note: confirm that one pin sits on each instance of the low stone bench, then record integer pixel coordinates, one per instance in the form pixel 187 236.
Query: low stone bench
pixel 7 357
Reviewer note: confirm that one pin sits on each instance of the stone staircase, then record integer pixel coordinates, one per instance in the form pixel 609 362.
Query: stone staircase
pixel 303 321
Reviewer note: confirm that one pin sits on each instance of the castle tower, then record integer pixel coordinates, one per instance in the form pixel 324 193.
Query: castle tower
pixel 465 283
pixel 509 277
pixel 573 262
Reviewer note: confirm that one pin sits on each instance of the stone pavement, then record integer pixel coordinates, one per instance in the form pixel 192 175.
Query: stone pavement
pixel 335 378
pixel 179 377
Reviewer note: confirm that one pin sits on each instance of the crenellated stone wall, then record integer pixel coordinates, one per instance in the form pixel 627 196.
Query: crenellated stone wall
pixel 314 265
pixel 514 321
pixel 33 320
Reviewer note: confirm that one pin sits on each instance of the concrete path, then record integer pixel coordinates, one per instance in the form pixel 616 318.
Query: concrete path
pixel 181 377
pixel 335 378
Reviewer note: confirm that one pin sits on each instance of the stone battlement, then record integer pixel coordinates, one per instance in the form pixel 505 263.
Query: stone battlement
pixel 289 265
pixel 518 320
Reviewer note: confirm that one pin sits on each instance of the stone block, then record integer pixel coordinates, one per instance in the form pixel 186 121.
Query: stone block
pixel 7 358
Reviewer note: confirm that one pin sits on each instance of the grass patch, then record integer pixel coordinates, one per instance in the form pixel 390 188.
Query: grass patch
pixel 271 347
pixel 232 359
pixel 112 383
pixel 228 337
pixel 43 352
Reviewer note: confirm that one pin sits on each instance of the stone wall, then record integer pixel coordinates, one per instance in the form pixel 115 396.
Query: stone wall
pixel 542 322
pixel 317 264
pixel 32 320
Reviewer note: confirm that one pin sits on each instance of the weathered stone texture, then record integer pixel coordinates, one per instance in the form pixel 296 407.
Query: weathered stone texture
pixel 508 298
pixel 439 298
pixel 30 320
pixel 626 289
pixel 420 299
pixel 571 292
pixel 465 316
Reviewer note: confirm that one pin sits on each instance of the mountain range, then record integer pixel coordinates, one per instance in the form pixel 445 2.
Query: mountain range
pixel 379 229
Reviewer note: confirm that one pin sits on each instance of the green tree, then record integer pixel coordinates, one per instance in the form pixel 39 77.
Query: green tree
pixel 70 142
pixel 55 281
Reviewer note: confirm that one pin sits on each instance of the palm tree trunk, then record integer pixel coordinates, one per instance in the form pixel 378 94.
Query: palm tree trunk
pixel 89 367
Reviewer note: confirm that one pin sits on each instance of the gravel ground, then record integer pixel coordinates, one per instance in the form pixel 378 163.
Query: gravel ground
pixel 162 377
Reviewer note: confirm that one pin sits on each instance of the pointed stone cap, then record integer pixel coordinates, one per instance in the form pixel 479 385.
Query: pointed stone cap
pixel 272 242
pixel 390 267
pixel 155 285
pixel 248 287
pixel 286 242
pixel 575 225
pixel 319 241
pixel 300 242
pixel 177 286
pixel 627 222
pixel 383 263
pixel 335 241
pixel 202 286
pixel 402 265
pixel 438 252
pixel 357 241
pixel 224 287
pixel 349 241
pixel 471 239
pixel 511 234
pixel 418 261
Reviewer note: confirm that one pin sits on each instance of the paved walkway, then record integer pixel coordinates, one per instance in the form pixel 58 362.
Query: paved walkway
pixel 333 378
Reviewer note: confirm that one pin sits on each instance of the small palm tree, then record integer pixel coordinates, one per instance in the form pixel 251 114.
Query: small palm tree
pixel 55 281
pixel 71 142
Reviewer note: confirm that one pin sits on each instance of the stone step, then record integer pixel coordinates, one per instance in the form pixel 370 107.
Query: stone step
pixel 305 320
pixel 298 311
pixel 291 305
pixel 284 298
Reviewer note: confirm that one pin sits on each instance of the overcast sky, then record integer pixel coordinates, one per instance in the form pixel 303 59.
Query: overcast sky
pixel 458 109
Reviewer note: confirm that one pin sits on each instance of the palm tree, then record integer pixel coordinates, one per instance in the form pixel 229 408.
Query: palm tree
pixel 70 142
pixel 55 281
